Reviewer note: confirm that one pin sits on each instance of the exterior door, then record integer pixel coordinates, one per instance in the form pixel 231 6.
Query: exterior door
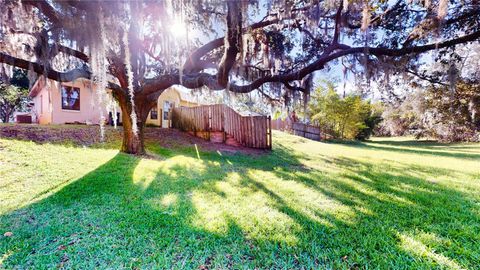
pixel 167 106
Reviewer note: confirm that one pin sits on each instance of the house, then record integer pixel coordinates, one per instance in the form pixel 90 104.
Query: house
pixel 170 98
pixel 77 102
pixel 69 102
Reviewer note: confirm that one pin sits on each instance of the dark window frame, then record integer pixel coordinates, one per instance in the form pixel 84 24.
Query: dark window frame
pixel 154 113
pixel 76 103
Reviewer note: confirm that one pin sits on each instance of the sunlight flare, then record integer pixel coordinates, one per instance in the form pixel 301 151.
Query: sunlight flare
pixel 178 28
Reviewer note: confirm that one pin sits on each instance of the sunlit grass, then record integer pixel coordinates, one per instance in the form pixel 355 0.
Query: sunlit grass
pixel 29 171
pixel 387 203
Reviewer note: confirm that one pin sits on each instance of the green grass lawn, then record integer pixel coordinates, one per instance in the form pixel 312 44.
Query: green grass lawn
pixel 387 203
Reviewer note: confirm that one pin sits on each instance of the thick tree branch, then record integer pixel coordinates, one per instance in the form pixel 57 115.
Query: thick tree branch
pixel 78 54
pixel 40 69
pixel 68 76
pixel 159 83
pixel 294 88
pixel 232 41
pixel 45 8
pixel 338 18
pixel 424 48
pixel 201 79
pixel 191 66
pixel 326 57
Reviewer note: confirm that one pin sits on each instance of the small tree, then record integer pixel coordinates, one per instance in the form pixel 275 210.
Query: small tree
pixel 343 117
pixel 373 119
pixel 13 95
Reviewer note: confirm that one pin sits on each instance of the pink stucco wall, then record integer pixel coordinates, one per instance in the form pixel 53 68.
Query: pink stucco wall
pixel 50 98
pixel 42 111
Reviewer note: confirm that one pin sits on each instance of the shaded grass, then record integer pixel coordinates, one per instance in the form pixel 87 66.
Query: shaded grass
pixel 305 205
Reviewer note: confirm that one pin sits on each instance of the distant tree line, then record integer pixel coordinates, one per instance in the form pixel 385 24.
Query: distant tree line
pixel 436 111
pixel 442 103
pixel 441 113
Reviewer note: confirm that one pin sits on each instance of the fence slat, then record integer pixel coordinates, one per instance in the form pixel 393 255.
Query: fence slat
pixel 307 131
pixel 250 131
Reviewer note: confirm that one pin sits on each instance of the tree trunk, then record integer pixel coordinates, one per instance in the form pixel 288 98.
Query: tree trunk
pixel 132 143
pixel 5 118
pixel 5 112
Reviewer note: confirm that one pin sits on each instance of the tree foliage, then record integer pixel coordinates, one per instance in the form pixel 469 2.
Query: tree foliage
pixel 437 112
pixel 444 103
pixel 345 117
pixel 13 95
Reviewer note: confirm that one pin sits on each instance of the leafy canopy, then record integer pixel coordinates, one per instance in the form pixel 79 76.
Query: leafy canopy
pixel 343 117
pixel 13 95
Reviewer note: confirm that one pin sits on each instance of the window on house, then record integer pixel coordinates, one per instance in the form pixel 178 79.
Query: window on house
pixel 70 98
pixel 154 113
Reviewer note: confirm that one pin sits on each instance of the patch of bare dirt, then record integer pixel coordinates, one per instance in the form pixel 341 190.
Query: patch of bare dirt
pixel 88 135
pixel 171 138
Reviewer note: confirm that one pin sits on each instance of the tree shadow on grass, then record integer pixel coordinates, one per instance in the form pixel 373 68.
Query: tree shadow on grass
pixel 426 144
pixel 116 216
pixel 413 143
pixel 443 150
pixel 105 219
pixel 211 210
pixel 400 216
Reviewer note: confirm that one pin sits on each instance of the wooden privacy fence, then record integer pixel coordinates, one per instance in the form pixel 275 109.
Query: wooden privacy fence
pixel 209 120
pixel 282 124
pixel 306 131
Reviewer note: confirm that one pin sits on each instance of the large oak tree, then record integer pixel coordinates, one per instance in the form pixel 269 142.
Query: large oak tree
pixel 241 46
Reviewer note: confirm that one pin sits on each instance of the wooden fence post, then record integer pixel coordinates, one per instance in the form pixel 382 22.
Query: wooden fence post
pixel 269 119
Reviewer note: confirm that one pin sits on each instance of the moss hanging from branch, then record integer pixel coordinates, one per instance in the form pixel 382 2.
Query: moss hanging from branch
pixel 442 9
pixel 99 70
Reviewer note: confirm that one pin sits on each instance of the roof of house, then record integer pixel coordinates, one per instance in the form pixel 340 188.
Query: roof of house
pixel 249 113
pixel 186 95
pixel 36 87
